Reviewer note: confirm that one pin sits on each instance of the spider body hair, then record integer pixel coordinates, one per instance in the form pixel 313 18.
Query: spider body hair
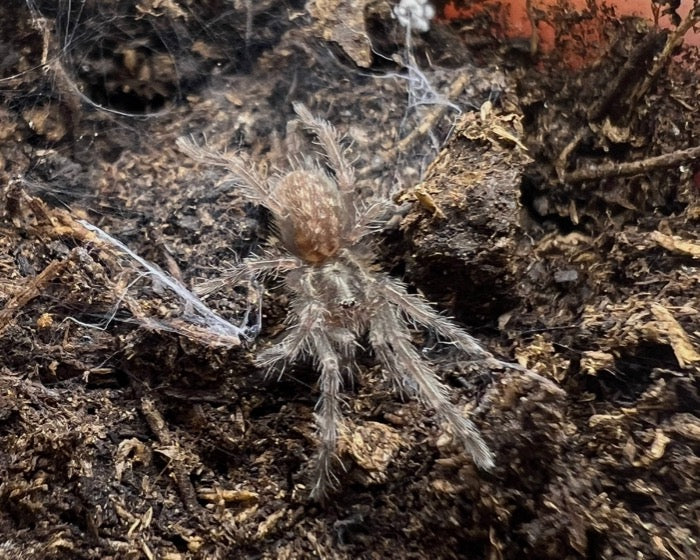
pixel 339 295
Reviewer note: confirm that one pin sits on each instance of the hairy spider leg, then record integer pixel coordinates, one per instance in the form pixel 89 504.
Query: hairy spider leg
pixel 329 139
pixel 311 334
pixel 252 185
pixel 391 341
pixel 328 416
pixel 255 267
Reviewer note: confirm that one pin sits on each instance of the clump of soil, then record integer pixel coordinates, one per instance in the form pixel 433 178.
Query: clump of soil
pixel 552 210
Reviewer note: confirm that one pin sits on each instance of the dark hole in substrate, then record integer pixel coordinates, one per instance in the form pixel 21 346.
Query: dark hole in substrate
pixel 632 373
pixel 530 190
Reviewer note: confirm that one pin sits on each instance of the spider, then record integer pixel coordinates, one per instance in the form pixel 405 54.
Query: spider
pixel 339 295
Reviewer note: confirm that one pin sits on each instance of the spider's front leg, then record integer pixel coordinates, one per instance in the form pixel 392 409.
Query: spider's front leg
pixel 390 339
pixel 329 416
pixel 251 183
pixel 419 311
pixel 311 335
pixel 364 213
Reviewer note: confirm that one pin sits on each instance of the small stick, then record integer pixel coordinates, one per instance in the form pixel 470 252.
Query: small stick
pixel 34 289
pixel 429 120
pixel 630 168
pixel 155 421
pixel 612 94
pixel 674 39
pixel 563 158
pixel 534 35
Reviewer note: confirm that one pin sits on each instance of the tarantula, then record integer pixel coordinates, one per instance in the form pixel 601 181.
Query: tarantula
pixel 338 293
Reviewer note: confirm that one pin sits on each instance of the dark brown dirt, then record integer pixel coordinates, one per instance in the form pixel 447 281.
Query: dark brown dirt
pixel 128 430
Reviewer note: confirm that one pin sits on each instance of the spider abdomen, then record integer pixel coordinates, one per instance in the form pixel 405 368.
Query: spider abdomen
pixel 312 226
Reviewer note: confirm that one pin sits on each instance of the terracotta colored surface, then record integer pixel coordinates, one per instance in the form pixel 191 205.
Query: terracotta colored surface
pixel 514 17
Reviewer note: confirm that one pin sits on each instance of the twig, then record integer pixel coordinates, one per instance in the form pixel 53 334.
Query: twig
pixel 630 168
pixel 563 159
pixel 674 39
pixel 155 421
pixel 534 35
pixel 35 287
pixel 613 94
pixel 429 120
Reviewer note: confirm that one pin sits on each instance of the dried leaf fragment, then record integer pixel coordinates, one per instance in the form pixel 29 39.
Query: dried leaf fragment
pixel 48 121
pixel 372 445
pixel 157 8
pixel 343 22
pixel 686 425
pixel 655 452
pixel 497 128
pixel 593 361
pixel 666 328
pixel 675 244
pixel 130 451
pixel 658 447
pixel 223 496
pixel 426 200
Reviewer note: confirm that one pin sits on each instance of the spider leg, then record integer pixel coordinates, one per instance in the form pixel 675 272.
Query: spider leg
pixel 391 342
pixel 421 312
pixel 252 184
pixel 253 267
pixel 329 139
pixel 296 342
pixel 310 335
pixel 368 219
pixel 329 416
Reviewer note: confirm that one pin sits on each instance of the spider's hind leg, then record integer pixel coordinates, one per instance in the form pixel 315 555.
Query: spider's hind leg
pixel 329 139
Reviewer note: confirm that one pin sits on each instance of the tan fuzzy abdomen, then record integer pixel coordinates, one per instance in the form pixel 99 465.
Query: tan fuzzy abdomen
pixel 312 227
